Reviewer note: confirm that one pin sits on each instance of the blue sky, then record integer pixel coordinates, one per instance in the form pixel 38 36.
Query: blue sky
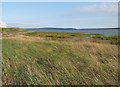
pixel 60 14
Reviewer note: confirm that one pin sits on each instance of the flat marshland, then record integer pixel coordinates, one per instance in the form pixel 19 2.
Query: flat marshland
pixel 52 58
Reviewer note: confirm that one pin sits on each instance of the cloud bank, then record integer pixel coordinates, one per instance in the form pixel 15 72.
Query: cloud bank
pixel 108 7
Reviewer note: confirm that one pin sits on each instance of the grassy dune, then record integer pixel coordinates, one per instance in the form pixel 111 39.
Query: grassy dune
pixel 58 59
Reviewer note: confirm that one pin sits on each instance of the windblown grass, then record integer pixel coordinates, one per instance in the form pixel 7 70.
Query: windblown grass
pixel 66 61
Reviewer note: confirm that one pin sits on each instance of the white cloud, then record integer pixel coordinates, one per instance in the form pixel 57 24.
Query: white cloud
pixel 2 24
pixel 108 7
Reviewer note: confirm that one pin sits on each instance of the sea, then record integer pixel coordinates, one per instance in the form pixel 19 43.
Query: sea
pixel 107 32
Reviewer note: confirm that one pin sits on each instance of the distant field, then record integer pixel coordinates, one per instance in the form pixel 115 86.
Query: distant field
pixel 49 58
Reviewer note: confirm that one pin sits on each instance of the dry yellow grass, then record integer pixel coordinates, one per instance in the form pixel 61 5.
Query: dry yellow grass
pixel 45 61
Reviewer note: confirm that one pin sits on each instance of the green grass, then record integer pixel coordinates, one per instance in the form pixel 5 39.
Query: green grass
pixel 58 35
pixel 58 62
pixel 115 39
pixel 54 34
pixel 76 36
pixel 12 31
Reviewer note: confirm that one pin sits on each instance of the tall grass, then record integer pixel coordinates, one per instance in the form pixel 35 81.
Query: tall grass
pixel 58 62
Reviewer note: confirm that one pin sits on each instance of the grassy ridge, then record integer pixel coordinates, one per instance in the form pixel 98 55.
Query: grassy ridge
pixel 76 35
pixel 61 35
pixel 58 61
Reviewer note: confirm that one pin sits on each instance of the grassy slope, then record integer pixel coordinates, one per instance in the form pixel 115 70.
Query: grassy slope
pixel 62 58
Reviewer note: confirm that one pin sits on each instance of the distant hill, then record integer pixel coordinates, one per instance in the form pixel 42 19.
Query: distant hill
pixel 72 28
pixel 52 28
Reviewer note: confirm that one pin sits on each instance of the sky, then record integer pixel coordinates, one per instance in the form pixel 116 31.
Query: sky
pixel 60 14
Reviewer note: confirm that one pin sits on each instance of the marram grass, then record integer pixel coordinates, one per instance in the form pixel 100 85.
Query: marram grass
pixel 46 59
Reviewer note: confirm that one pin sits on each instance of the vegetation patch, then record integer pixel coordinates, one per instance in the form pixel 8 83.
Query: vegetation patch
pixel 69 59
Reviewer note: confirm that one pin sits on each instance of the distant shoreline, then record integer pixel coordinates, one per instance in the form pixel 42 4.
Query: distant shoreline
pixel 104 31
pixel 73 28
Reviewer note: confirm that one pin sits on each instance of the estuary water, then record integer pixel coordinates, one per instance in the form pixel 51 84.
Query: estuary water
pixel 107 32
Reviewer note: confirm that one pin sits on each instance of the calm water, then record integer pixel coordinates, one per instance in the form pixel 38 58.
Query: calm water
pixel 107 32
